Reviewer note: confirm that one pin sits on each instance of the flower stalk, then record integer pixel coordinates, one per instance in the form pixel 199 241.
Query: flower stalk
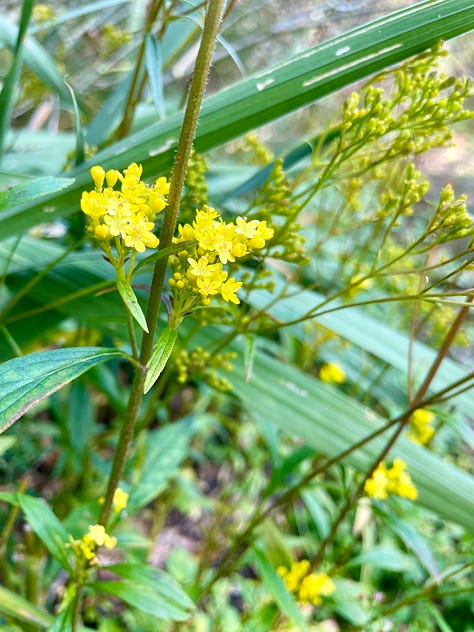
pixel 178 174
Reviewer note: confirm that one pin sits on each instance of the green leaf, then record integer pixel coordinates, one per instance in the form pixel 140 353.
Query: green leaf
pixel 411 538
pixel 159 357
pixel 6 443
pixel 274 584
pixel 154 67
pixel 389 559
pixel 364 331
pixel 27 380
pixel 330 422
pixel 348 600
pixel 7 93
pixel 30 191
pixel 47 527
pixel 145 598
pixel 131 302
pixel 17 607
pixel 165 451
pixel 438 618
pixel 162 582
pixel 272 93
pixel 63 620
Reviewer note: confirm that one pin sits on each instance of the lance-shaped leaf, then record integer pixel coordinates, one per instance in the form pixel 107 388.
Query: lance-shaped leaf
pixel 161 352
pixel 131 302
pixel 47 527
pixel 27 380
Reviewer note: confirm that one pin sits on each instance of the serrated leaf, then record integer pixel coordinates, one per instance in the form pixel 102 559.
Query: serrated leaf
pixel 131 302
pixel 27 380
pixel 47 527
pixel 159 357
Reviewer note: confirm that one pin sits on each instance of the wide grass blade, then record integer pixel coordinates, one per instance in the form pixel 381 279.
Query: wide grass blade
pixel 7 93
pixel 272 93
pixel 330 422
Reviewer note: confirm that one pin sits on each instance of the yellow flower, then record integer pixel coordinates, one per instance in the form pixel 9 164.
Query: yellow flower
pixel 376 485
pixel 218 244
pixel 87 546
pixel 307 587
pixel 125 216
pixel 391 481
pixel 315 585
pixel 228 290
pixel 119 500
pixel 97 536
pixel 400 482
pixel 42 13
pixel 332 372
pixel 420 428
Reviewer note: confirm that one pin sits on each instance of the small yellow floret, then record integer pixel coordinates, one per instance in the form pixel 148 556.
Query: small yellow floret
pixel 98 176
pixel 332 372
pixel 420 428
pixel 120 500
pixel 395 480
pixel 314 586
pixel 306 586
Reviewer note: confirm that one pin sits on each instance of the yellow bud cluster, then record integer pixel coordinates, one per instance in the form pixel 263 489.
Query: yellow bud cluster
pixel 42 13
pixel 420 429
pixel 199 361
pixel 394 480
pixel 114 38
pixel 86 548
pixel 124 217
pixel 306 586
pixel 409 117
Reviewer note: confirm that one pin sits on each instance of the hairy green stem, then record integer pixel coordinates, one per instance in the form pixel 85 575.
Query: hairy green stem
pixel 178 174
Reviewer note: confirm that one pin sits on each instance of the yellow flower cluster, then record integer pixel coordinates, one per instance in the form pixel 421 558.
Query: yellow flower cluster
pixel 420 429
pixel 87 546
pixel 394 480
pixel 307 587
pixel 120 500
pixel 126 216
pixel 332 372
pixel 42 13
pixel 200 269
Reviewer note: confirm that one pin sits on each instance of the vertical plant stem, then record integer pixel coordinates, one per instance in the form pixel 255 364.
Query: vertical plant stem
pixel 136 85
pixel 180 165
pixel 178 174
